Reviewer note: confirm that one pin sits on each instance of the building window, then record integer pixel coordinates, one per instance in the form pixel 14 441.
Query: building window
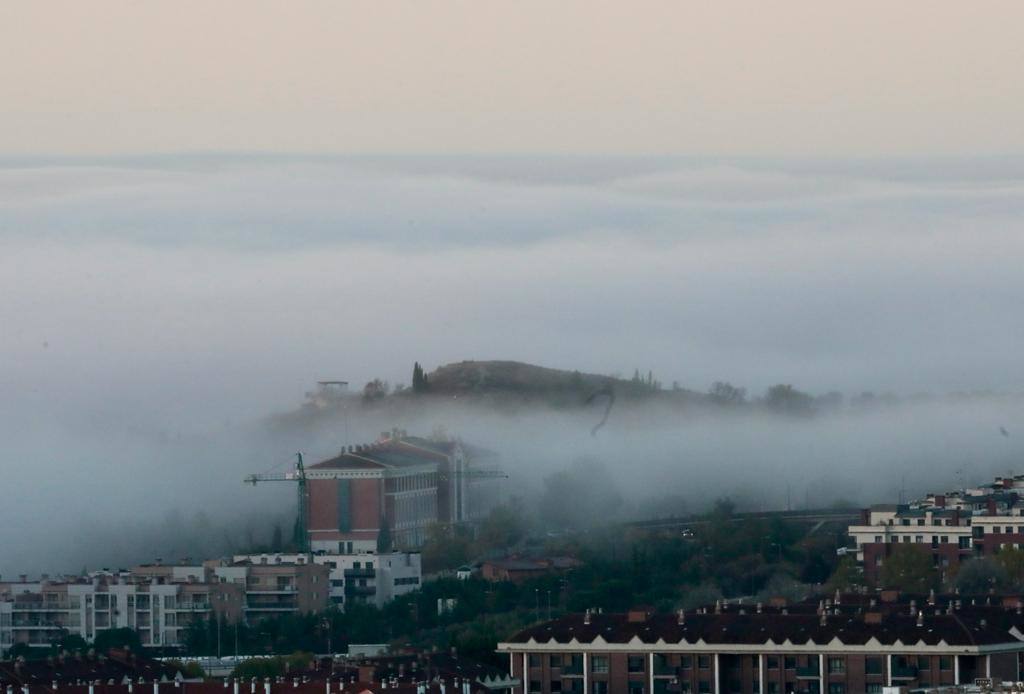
pixel 836 666
pixel 635 663
pixel 945 662
pixel 773 662
pixel 873 666
pixel 895 538
pixel 556 686
pixel 636 688
pixel 919 538
pixel 874 688
pixel 599 664
pixel 598 688
pixel 534 660
pixel 555 660
pixel 773 688
pixel 704 687
pixel 878 539
pixel 923 662
pixel 535 687
pixel 687 662
pixel 1009 530
pixel 836 688
pixel 789 662
pixel 703 662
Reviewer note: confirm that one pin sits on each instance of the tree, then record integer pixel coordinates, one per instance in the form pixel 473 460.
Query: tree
pixel 726 394
pixel 117 638
pixel 1012 561
pixel 445 548
pixel 845 577
pixel 909 568
pixel 419 379
pixel 375 390
pixel 701 596
pixel 19 650
pixel 384 541
pixel 71 643
pixel 783 586
pixel 786 399
pixel 503 528
pixel 981 575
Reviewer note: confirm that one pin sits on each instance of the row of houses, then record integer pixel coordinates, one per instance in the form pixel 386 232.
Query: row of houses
pixel 849 644
pixel 953 526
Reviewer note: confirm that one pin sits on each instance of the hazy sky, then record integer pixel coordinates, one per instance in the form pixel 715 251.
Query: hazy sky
pixel 818 193
pixel 811 77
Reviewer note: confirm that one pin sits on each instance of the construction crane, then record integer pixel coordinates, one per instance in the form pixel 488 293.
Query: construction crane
pixel 299 476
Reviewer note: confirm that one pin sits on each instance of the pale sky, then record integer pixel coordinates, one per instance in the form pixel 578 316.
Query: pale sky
pixel 791 78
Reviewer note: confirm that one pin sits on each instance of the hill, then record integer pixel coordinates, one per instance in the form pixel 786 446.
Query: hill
pixel 468 377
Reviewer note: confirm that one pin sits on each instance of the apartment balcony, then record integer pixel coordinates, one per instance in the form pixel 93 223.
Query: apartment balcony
pixel 193 607
pixel 361 573
pixel 904 672
pixel 37 626
pixel 360 590
pixel 808 672
pixel 280 590
pixel 572 670
pixel 43 606
pixel 665 669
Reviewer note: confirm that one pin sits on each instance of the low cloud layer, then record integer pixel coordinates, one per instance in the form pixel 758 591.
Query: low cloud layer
pixel 154 309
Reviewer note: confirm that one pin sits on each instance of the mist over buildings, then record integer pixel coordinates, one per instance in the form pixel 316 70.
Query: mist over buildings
pixel 156 312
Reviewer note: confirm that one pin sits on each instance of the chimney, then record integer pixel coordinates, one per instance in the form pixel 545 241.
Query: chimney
pixel 586 616
pixel 681 616
pixel 920 618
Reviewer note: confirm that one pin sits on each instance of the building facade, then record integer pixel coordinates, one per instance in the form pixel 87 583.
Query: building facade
pixel 952 527
pixel 158 601
pixel 845 647
pixel 366 578
pixel 387 494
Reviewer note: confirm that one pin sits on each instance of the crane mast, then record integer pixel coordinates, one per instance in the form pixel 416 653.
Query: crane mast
pixel 299 476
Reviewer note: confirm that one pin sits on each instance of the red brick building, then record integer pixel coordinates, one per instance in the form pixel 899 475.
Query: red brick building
pixel 850 646
pixel 400 485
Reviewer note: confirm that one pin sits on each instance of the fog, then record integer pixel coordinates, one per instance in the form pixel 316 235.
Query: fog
pixel 156 311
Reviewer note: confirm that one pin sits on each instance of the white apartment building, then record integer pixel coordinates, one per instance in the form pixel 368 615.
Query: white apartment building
pixel 368 577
